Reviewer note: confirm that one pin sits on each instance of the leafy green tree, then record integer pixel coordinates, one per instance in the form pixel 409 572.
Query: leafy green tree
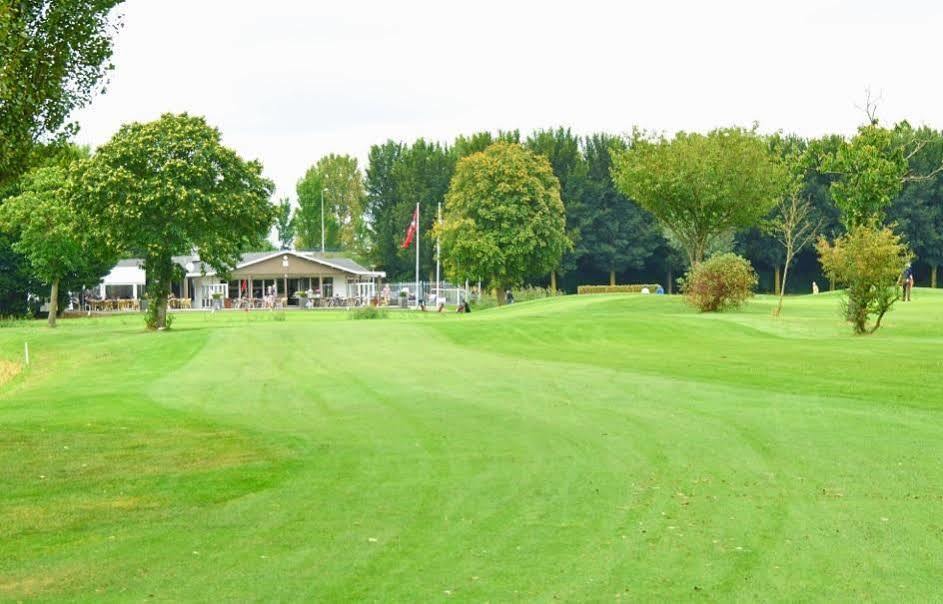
pixel 382 201
pixel 53 235
pixel 616 234
pixel 562 149
pixel 169 187
pixel 422 175
pixel 701 186
pixel 479 141
pixel 338 179
pixel 53 57
pixel 867 261
pixel 285 223
pixel 504 219
pixel 918 210
pixel 869 172
pixel 308 218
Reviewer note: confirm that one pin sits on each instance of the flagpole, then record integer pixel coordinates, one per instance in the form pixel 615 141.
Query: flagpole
pixel 438 254
pixel 418 293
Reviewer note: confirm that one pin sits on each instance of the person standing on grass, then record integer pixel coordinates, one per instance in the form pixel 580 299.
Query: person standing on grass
pixel 907 281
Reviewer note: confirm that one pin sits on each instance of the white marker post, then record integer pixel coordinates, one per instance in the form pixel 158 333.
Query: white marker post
pixel 26 354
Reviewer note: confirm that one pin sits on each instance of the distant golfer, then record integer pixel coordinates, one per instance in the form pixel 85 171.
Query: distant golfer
pixel 907 282
pixel 509 297
pixel 815 288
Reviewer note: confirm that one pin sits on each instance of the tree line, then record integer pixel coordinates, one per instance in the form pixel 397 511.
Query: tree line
pixel 613 236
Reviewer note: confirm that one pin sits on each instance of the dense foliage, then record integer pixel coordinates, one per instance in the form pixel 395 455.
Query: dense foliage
pixel 332 191
pixel 868 262
pixel 53 235
pixel 170 187
pixel 503 219
pixel 719 283
pixel 53 57
pixel 701 187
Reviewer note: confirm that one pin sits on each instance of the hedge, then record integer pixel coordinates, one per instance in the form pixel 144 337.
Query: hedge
pixel 635 288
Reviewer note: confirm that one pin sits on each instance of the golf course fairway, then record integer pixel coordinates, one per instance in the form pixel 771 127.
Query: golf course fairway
pixel 581 448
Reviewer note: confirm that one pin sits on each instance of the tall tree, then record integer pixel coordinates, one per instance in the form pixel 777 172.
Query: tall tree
pixel 311 213
pixel 562 149
pixel 422 176
pixel 170 187
pixel 382 201
pixel 53 235
pixel 53 57
pixel 285 223
pixel 504 219
pixel 465 145
pixel 617 234
pixel 701 186
pixel 336 182
pixel 918 210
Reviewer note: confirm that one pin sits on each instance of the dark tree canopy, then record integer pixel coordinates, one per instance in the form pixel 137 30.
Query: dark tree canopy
pixel 618 234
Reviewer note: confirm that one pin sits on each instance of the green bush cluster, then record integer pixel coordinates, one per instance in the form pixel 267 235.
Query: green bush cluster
pixel 720 282
pixel 633 288
pixel 367 312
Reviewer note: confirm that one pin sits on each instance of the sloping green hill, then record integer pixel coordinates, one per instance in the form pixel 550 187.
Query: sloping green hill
pixel 581 448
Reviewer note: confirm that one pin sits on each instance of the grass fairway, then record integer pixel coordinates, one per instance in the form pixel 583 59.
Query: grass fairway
pixel 579 449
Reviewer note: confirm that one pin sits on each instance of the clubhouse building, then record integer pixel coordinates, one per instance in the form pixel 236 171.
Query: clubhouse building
pixel 259 276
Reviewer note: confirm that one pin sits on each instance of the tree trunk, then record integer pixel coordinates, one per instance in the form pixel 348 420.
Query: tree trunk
pixel 670 282
pixel 499 295
pixel 161 311
pixel 933 276
pixel 782 289
pixel 53 303
pixel 612 277
pixel 777 280
pixel 553 282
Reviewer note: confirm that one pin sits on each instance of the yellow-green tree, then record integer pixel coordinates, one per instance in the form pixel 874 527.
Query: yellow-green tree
pixel 701 186
pixel 503 218
pixel 867 261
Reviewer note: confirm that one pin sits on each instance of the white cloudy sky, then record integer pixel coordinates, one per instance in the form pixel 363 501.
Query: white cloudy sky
pixel 290 80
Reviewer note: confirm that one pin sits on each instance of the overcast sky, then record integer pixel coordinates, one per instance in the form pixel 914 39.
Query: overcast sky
pixel 288 81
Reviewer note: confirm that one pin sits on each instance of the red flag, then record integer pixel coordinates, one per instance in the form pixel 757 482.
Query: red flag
pixel 411 231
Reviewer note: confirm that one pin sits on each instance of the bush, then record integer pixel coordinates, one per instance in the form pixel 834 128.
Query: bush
pixel 367 312
pixel 867 262
pixel 721 282
pixel 634 288
pixel 150 317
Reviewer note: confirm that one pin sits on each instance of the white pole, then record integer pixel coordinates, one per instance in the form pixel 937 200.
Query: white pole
pixel 26 353
pixel 438 254
pixel 417 255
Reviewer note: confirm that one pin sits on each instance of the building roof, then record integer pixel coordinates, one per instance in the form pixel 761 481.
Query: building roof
pixel 195 268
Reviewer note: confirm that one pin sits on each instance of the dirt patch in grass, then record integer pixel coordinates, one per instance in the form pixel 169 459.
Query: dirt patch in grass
pixel 8 371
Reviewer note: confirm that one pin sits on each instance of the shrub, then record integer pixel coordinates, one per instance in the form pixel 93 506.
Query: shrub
pixel 150 317
pixel 867 262
pixel 367 312
pixel 721 282
pixel 634 288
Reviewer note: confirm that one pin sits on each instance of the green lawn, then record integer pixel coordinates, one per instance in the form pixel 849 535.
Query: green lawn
pixel 578 449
